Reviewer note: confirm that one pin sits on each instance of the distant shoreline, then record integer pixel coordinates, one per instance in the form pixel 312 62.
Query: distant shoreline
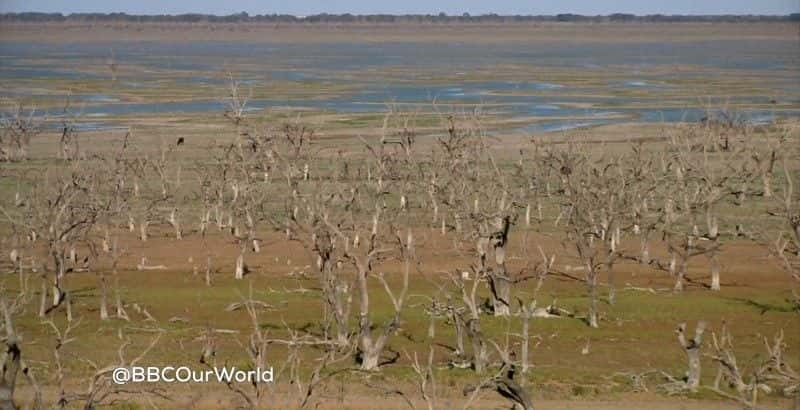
pixel 348 18
pixel 582 32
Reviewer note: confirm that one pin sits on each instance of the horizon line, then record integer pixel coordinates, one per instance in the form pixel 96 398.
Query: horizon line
pixel 434 14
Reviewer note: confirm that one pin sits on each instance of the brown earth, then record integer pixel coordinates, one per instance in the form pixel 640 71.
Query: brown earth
pixel 636 334
pixel 482 33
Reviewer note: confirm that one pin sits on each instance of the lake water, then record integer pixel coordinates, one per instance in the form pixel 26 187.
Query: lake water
pixel 607 83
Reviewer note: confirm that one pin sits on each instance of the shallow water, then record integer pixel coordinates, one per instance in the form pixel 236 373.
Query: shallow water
pixel 412 74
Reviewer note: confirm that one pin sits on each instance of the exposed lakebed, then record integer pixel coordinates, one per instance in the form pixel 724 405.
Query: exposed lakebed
pixel 541 87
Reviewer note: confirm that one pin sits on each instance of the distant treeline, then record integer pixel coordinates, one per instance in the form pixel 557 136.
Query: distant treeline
pixel 382 18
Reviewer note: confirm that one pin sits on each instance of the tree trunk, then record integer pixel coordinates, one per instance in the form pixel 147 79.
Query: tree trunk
pixel 208 270
pixel 10 367
pixel 239 274
pixel 766 181
pixel 218 215
pixel 528 216
pixel 683 269
pixel 341 310
pixel 692 349
pixel 526 316
pixel 591 281
pixel 715 285
pixel 106 241
pixel 612 290
pixel 673 262
pixel 58 293
pixel 644 258
pixel 370 360
pixel 204 217
pixel 68 303
pixel 43 298
pixel 369 357
pixel 23 279
pixel 478 346
pixel 499 281
pixel 336 294
pixel 143 231
pixel 458 323
pixel 501 293
pixel 120 309
pixel 173 220
pixel 103 297
pixel 679 278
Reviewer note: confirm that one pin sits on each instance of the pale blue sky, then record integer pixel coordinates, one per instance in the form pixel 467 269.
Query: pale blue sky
pixel 304 7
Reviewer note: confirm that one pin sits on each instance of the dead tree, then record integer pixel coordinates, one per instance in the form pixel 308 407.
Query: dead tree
pixel 680 211
pixel 16 130
pixel 595 203
pixel 169 187
pixel 680 231
pixel 720 177
pixel 468 321
pixel 499 281
pixel 526 312
pixel 245 208
pixel 255 389
pixel 12 362
pixel 723 354
pixel 466 180
pixel 744 387
pixel 765 165
pixel 307 387
pixel 707 173
pixel 101 391
pixel 336 290
pixel 110 196
pixel 776 371
pixel 785 244
pixel 256 349
pixel 235 102
pixel 503 383
pixel 214 179
pixel 454 315
pixel 647 187
pixel 146 200
pixel 314 219
pixel 691 347
pixel 363 260
pixel 453 167
pixel 426 382
pixel 59 211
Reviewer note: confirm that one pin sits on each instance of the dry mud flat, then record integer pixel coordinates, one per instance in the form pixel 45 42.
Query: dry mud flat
pixel 636 335
pixel 318 32
pixel 628 340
